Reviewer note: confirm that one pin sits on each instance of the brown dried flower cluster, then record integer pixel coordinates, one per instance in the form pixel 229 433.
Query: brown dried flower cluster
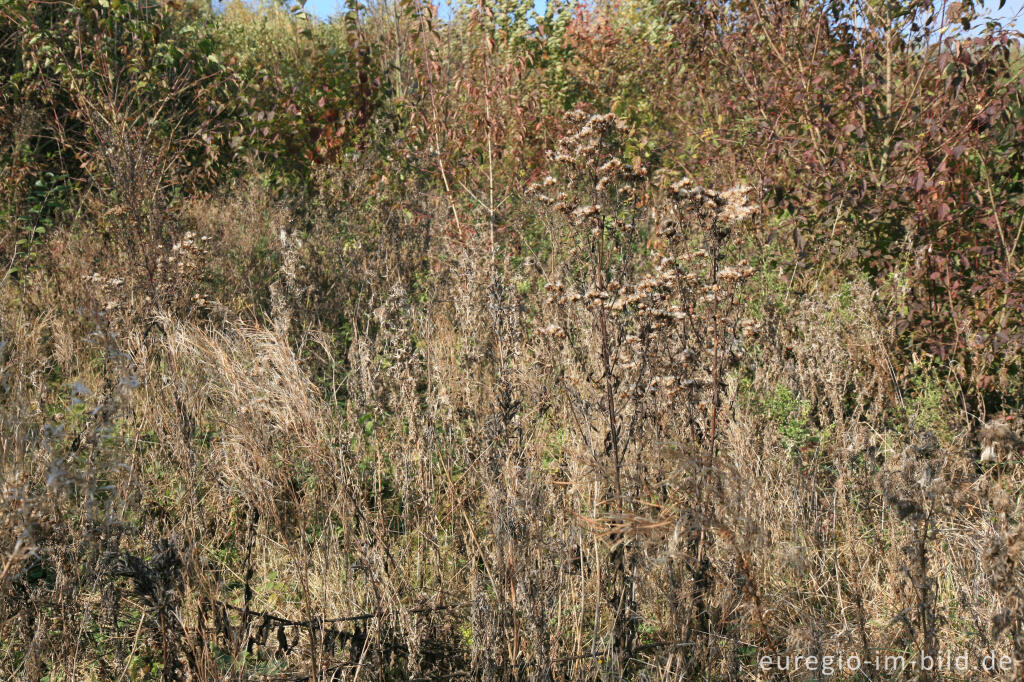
pixel 589 157
pixel 178 268
pixel 645 337
pixel 668 310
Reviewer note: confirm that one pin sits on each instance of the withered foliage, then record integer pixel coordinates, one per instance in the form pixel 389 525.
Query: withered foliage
pixel 639 340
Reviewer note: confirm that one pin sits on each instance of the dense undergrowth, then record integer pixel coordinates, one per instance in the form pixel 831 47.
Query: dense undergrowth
pixel 642 339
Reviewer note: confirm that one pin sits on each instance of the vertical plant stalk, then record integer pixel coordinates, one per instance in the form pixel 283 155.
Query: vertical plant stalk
pixel 925 591
pixel 609 375
pixel 435 127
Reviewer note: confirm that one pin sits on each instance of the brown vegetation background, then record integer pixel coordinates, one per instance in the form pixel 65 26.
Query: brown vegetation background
pixel 637 339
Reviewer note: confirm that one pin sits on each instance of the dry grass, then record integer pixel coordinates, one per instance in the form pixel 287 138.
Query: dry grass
pixel 603 460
